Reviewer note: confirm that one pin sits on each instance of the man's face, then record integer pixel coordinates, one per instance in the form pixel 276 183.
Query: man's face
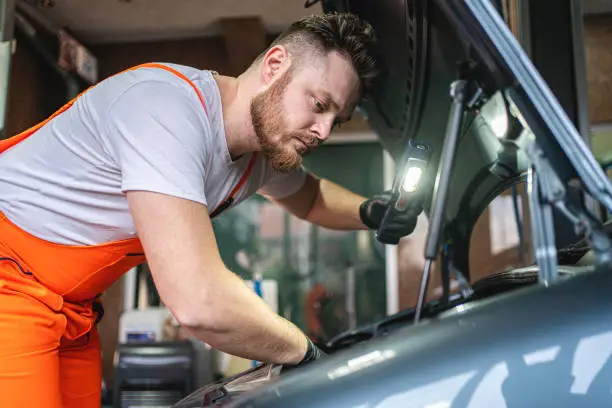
pixel 298 110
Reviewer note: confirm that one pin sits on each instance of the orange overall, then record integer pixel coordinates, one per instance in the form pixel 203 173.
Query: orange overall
pixel 49 345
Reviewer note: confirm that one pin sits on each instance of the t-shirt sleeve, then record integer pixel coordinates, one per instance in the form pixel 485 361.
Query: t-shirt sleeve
pixel 158 133
pixel 282 184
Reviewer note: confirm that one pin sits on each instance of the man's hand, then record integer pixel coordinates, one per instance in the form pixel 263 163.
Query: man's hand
pixel 401 224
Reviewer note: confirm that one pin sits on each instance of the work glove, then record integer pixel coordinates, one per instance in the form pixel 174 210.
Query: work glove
pixel 313 353
pixel 399 225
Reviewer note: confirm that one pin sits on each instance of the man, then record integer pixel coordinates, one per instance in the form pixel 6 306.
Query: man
pixel 138 165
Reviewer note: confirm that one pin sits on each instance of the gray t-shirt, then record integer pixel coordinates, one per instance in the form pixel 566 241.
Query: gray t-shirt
pixel 143 129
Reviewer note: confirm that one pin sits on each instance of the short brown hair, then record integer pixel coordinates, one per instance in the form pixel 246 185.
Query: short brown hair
pixel 341 32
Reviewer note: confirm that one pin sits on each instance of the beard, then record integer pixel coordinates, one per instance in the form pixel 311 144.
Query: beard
pixel 269 122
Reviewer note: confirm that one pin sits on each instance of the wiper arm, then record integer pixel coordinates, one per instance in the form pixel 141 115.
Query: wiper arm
pixel 545 192
pixel 542 226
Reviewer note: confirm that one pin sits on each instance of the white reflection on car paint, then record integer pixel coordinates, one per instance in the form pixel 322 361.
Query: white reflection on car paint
pixel 435 393
pixel 590 356
pixel 361 362
pixel 542 356
pixel 489 392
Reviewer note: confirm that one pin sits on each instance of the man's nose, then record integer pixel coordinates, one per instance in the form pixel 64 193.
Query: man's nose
pixel 323 129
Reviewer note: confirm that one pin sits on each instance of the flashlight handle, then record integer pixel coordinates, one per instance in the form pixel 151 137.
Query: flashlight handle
pixel 381 233
pixel 415 152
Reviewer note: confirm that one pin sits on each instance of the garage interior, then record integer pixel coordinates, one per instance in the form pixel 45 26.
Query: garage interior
pixel 326 282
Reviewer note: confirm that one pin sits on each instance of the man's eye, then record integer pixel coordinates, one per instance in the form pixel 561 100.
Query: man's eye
pixel 318 105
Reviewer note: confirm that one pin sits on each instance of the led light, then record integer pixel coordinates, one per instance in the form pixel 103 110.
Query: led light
pixel 499 125
pixel 411 179
pixel 496 114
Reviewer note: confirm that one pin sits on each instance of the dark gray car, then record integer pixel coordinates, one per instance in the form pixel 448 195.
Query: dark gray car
pixel 531 337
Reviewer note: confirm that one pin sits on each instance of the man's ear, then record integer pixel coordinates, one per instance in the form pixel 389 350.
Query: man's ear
pixel 275 62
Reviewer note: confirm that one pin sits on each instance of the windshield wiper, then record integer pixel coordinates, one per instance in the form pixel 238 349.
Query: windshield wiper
pixel 546 191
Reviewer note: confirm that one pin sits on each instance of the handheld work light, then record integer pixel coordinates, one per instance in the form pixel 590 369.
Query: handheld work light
pixel 406 186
